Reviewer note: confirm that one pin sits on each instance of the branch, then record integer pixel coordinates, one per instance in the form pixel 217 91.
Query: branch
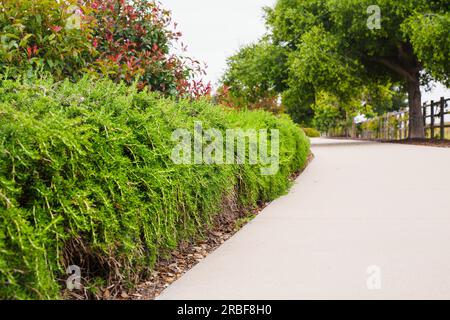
pixel 406 52
pixel 397 68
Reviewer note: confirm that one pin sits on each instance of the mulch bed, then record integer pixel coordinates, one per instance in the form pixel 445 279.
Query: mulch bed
pixel 423 142
pixel 187 255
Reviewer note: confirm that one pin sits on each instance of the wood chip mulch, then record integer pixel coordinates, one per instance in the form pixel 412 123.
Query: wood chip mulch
pixel 418 142
pixel 182 260
pixel 423 142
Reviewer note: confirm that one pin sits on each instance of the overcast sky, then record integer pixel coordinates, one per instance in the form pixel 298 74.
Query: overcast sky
pixel 215 29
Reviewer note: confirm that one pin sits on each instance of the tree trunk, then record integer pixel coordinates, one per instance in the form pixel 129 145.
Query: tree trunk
pixel 416 127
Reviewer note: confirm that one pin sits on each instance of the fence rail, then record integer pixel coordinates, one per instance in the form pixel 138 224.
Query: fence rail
pixel 395 125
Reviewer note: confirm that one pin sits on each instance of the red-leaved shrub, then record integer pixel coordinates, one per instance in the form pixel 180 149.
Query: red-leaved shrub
pixel 134 39
pixel 126 40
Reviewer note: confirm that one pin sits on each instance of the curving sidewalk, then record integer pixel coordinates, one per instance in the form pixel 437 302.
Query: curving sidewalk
pixel 364 221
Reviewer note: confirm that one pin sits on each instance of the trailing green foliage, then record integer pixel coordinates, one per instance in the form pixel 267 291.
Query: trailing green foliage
pixel 86 179
pixel 37 35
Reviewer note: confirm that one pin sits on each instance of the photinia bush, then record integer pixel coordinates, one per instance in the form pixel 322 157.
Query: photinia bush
pixel 134 40
pixel 47 35
pixel 125 40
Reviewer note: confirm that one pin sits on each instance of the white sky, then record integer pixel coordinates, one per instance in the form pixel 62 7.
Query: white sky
pixel 436 93
pixel 215 29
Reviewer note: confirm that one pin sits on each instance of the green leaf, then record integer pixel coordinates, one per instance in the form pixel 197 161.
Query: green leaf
pixel 24 41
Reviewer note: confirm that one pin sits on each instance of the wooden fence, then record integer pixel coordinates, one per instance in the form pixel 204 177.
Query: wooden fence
pixel 394 125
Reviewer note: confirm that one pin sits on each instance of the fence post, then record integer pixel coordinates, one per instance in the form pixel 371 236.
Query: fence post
pixel 388 128
pixel 386 120
pixel 425 118
pixel 404 125
pixel 432 120
pixel 381 127
pixel 401 125
pixel 442 124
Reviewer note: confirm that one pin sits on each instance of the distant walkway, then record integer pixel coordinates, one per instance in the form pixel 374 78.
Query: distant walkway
pixel 357 205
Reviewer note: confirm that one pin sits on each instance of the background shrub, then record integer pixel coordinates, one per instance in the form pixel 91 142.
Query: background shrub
pixel 311 132
pixel 86 178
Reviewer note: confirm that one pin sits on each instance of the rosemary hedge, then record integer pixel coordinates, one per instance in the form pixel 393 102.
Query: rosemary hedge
pixel 86 179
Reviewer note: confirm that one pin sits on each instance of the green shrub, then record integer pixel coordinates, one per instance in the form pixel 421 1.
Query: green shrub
pixel 311 132
pixel 86 179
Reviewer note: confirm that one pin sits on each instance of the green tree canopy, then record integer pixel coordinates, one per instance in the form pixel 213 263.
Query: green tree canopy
pixel 256 73
pixel 352 48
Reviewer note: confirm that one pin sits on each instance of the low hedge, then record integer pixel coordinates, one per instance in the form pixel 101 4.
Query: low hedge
pixel 311 132
pixel 86 179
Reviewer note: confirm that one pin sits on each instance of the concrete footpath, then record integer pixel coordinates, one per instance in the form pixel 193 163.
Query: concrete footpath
pixel 364 221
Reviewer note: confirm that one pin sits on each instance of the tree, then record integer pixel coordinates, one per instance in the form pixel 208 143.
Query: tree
pixel 340 46
pixel 430 38
pixel 254 77
pixel 328 112
pixel 331 112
